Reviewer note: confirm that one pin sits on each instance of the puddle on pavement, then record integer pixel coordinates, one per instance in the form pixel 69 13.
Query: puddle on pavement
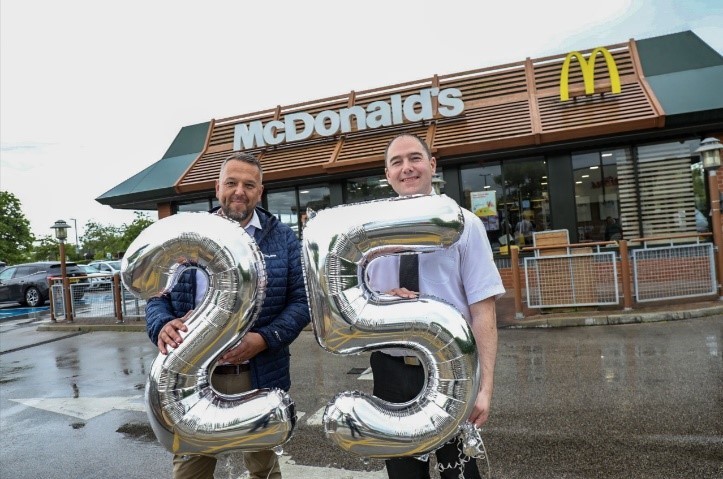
pixel 70 360
pixel 137 430
pixel 12 372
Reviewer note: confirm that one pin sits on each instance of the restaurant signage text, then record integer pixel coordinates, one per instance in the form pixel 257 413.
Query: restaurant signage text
pixel 396 111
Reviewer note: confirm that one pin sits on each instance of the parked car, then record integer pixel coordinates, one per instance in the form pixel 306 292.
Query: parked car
pixel 110 267
pixel 97 281
pixel 29 283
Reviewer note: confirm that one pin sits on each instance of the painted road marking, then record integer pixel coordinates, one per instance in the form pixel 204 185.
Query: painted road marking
pixel 88 408
pixel 84 408
pixel 12 312
pixel 290 469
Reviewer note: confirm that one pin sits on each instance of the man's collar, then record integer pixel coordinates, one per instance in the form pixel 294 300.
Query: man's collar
pixel 255 221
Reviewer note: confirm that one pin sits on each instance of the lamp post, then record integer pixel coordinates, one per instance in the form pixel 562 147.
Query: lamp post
pixel 75 228
pixel 437 184
pixel 710 152
pixel 61 233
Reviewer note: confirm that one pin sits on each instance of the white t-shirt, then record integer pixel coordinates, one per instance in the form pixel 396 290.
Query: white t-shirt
pixel 462 274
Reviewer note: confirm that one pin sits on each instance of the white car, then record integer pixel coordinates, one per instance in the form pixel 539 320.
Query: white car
pixel 107 270
pixel 97 280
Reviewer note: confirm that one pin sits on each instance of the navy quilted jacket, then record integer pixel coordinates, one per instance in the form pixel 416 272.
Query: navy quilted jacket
pixel 283 315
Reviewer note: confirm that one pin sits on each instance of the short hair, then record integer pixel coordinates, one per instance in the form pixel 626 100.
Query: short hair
pixel 247 158
pixel 424 144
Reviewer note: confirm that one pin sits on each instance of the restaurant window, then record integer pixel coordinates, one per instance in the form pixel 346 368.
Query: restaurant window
pixel 290 205
pixel 368 188
pixel 657 192
pixel 525 200
pixel 193 206
pixel 482 190
pixel 595 175
pixel 282 204
pixel 315 198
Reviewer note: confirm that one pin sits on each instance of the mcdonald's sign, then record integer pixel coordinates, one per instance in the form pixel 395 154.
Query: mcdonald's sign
pixel 588 72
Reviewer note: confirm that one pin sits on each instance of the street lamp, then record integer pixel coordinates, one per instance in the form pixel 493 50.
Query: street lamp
pixel 437 184
pixel 75 228
pixel 710 151
pixel 61 233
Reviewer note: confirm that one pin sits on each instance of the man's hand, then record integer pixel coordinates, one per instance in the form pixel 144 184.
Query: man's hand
pixel 481 409
pixel 251 345
pixel 403 293
pixel 170 336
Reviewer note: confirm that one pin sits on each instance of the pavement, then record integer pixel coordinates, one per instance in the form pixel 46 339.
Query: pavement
pixel 670 310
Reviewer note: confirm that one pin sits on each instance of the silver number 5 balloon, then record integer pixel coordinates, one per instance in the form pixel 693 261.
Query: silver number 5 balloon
pixel 349 318
pixel 186 413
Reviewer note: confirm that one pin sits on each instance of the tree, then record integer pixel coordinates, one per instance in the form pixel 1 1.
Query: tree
pixel 132 230
pixel 47 248
pixel 103 240
pixel 16 239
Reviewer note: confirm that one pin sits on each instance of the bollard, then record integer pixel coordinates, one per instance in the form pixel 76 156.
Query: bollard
pixel 119 298
pixel 625 276
pixel 515 264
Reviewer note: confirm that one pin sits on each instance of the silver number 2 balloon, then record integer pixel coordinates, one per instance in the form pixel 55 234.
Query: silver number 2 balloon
pixel 186 413
pixel 349 318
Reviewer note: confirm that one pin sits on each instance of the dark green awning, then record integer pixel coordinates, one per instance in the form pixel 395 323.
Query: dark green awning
pixel 156 183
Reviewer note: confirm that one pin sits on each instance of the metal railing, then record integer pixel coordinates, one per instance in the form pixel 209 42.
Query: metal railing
pixel 666 269
pixel 104 300
pixel 583 277
pixel 601 274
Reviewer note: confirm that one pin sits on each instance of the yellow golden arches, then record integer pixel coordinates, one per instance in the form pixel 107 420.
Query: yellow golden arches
pixel 588 72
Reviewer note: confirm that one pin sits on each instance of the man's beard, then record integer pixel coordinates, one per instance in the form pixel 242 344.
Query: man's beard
pixel 239 216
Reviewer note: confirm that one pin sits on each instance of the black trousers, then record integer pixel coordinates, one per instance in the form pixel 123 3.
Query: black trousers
pixel 396 381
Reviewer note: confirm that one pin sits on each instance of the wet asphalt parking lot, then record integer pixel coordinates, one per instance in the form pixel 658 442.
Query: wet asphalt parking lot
pixel 625 401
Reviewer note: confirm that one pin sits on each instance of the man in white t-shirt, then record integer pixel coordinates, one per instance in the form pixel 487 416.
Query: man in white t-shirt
pixel 464 275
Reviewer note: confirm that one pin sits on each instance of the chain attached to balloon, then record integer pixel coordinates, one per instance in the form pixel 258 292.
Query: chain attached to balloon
pixel 470 446
pixel 186 413
pixel 349 318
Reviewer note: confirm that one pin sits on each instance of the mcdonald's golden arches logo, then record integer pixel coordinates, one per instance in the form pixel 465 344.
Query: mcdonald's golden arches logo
pixel 588 72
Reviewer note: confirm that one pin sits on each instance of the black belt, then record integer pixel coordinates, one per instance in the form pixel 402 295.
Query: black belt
pixel 408 360
pixel 231 368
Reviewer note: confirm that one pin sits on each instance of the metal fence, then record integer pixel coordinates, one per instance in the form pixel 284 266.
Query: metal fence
pixel 674 271
pixel 573 279
pixel 677 266
pixel 101 302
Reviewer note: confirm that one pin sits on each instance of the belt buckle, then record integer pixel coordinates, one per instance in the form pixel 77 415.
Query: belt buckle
pixel 412 361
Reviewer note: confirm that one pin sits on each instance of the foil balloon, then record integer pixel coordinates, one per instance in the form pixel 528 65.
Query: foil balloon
pixel 186 413
pixel 348 317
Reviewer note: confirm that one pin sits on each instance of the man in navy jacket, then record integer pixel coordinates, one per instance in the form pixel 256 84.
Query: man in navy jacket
pixel 261 360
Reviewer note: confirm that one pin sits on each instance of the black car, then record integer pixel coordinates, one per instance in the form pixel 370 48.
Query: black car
pixel 29 283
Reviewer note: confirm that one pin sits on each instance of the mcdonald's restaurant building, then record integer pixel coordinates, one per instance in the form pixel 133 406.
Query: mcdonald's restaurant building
pixel 574 141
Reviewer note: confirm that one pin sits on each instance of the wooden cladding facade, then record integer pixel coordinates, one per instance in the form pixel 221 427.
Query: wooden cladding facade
pixel 508 106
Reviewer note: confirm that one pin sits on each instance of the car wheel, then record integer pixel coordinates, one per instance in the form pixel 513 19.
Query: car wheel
pixel 33 298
